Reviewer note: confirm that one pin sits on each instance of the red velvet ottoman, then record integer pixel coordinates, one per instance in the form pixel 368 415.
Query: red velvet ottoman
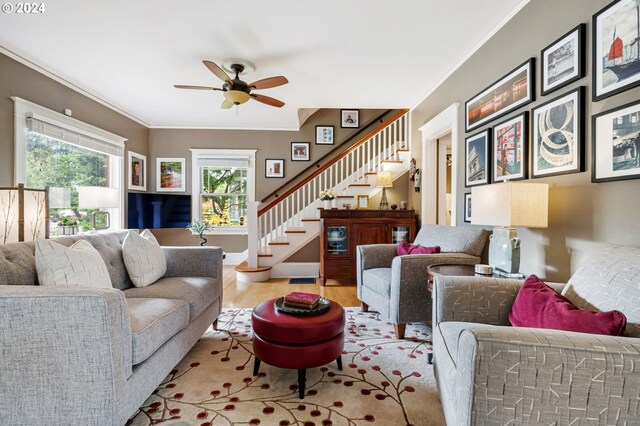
pixel 297 342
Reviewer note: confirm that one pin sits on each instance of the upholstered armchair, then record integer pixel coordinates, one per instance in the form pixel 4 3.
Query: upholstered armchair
pixel 491 373
pixel 396 286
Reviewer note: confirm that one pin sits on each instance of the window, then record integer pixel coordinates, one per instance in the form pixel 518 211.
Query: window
pixel 223 182
pixel 63 153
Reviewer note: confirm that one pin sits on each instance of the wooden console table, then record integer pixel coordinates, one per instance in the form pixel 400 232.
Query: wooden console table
pixel 341 231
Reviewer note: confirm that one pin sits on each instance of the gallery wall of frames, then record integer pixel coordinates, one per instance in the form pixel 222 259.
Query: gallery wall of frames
pixel 549 139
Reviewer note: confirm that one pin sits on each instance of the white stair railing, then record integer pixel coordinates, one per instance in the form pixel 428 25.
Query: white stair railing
pixel 363 157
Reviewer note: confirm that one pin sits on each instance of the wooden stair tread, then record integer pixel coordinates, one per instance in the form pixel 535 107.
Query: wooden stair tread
pixel 371 173
pixel 392 161
pixel 279 243
pixel 359 184
pixel 311 220
pixel 244 267
pixel 403 150
pixel 265 255
pixel 301 231
pixel 346 196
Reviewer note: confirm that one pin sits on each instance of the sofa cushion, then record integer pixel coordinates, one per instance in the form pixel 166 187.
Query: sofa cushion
pixel 608 279
pixel 79 265
pixel 378 280
pixel 453 239
pixel 539 306
pixel 143 258
pixel 198 292
pixel 153 322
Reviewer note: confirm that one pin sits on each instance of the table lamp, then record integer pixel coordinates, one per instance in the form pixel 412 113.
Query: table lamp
pixel 384 181
pixel 98 197
pixel 507 206
pixel 24 214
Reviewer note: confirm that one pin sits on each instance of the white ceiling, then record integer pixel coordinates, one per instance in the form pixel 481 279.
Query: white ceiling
pixel 335 53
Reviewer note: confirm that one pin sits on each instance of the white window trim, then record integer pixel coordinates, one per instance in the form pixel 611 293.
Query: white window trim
pixel 196 212
pixel 24 109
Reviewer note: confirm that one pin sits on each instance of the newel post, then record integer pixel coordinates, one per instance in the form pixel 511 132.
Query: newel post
pixel 254 233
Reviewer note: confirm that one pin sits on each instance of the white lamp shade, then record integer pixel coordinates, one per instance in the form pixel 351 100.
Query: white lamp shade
pixel 384 180
pixel 59 198
pixel 98 197
pixel 8 215
pixel 511 204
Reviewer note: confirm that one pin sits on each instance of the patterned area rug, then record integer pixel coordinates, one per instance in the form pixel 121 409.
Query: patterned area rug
pixel 384 381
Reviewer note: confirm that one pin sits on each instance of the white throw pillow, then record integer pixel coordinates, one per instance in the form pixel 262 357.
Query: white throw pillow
pixel 143 258
pixel 79 265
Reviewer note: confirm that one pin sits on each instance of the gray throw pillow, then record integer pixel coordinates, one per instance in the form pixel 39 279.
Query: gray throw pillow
pixel 79 265
pixel 143 258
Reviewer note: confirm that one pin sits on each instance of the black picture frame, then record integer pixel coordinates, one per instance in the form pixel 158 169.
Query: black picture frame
pixel 479 180
pixel 275 173
pixel 325 135
pixel 537 139
pixel 345 124
pixel 604 87
pixel 298 158
pixel 496 130
pixel 467 207
pixel 577 67
pixel 478 102
pixel 603 147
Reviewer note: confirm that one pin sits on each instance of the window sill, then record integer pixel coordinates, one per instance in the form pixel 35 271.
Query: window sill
pixel 228 230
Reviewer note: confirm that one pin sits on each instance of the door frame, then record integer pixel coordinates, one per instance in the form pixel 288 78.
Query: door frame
pixel 443 123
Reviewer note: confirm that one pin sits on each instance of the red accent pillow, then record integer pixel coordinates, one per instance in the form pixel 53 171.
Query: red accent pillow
pixel 539 306
pixel 408 248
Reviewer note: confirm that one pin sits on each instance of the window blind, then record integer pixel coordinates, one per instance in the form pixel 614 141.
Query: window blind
pixel 73 138
pixel 223 162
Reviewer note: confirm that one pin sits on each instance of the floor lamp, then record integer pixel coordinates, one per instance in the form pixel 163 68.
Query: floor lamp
pixel 507 206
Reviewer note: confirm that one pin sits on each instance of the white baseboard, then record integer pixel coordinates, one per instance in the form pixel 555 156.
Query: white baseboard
pixel 233 259
pixel 296 269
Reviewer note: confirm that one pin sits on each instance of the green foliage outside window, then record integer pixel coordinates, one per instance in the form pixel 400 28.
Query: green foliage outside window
pixel 224 199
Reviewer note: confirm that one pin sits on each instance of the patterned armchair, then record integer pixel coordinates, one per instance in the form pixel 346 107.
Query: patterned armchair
pixel 491 373
pixel 396 286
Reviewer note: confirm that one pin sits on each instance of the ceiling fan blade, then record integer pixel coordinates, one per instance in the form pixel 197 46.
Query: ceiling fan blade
pixel 267 100
pixel 219 72
pixel 226 104
pixel 183 86
pixel 267 83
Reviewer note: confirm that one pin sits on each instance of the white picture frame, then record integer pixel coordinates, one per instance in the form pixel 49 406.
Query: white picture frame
pixel 325 135
pixel 137 176
pixel 171 174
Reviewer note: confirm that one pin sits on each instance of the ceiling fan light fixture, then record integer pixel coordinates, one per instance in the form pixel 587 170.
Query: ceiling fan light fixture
pixel 237 97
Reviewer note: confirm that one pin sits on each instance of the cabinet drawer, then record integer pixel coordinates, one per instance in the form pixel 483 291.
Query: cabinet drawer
pixel 399 214
pixel 357 214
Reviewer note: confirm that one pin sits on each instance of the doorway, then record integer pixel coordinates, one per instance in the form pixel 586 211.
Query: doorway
pixel 444 180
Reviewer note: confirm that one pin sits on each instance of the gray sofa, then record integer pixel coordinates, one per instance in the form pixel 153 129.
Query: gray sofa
pixel 491 373
pixel 72 355
pixel 396 286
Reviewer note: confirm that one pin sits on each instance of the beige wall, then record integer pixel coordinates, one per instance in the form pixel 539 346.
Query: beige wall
pixel 582 214
pixel 21 81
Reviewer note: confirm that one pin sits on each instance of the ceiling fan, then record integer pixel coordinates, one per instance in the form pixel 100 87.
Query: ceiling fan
pixel 236 91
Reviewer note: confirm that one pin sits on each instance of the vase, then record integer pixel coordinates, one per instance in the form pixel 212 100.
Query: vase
pixel 334 203
pixel 326 204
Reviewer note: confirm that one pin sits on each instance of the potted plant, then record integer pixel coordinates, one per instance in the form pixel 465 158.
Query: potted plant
pixel 328 197
pixel 198 228
pixel 68 225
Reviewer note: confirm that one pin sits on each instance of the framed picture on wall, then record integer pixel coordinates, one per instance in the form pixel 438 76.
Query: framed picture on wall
pixel 562 62
pixel 616 63
pixel 324 135
pixel 137 171
pixel 300 151
pixel 558 135
pixel 350 118
pixel 467 207
pixel 477 158
pixel 363 202
pixel 512 91
pixel 510 142
pixel 274 168
pixel 171 175
pixel 616 144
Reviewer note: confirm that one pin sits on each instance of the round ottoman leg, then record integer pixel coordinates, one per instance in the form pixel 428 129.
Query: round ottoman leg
pixel 339 361
pixel 256 366
pixel 302 378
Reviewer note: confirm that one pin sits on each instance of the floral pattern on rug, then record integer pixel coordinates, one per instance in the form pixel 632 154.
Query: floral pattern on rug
pixel 384 381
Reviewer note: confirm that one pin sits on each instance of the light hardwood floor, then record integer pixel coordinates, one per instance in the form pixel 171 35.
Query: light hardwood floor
pixel 248 295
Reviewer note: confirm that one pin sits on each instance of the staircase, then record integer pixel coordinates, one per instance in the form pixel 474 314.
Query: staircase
pixel 284 226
